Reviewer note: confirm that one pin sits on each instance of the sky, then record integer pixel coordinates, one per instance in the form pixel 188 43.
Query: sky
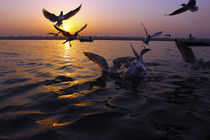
pixel 105 17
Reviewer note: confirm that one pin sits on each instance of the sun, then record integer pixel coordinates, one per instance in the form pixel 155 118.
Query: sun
pixel 66 27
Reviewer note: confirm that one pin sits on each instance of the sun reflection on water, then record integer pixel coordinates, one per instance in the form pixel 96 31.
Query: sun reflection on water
pixel 67 50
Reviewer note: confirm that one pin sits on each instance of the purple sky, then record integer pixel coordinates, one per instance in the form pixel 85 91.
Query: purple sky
pixel 105 17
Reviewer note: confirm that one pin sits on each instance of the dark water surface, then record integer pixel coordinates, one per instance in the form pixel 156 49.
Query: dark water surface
pixel 51 91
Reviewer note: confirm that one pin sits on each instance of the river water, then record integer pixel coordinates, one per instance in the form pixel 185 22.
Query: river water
pixel 51 91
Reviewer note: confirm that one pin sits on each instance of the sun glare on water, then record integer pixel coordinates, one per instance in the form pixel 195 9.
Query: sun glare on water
pixel 67 46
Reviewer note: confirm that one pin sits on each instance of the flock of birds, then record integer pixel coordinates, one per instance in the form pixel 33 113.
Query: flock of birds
pixel 127 67
pixel 59 19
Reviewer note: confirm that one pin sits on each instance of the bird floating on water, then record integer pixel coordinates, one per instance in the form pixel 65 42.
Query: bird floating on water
pixel 102 63
pixel 191 6
pixel 136 68
pixel 148 36
pixel 189 57
pixel 59 19
pixel 70 37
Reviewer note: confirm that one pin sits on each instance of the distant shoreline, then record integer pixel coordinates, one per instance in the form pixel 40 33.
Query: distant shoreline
pixel 94 38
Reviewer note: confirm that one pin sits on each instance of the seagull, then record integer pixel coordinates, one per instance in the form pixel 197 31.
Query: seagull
pixel 149 37
pixel 189 57
pixel 135 69
pixel 102 63
pixel 137 66
pixel 191 5
pixel 59 19
pixel 70 37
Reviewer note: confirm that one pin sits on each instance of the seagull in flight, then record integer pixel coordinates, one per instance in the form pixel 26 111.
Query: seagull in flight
pixel 189 57
pixel 70 37
pixel 59 19
pixel 111 71
pixel 191 6
pixel 149 37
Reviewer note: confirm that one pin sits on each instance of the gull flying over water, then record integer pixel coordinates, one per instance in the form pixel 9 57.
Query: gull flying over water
pixel 191 6
pixel 148 36
pixel 189 57
pixel 102 63
pixel 59 19
pixel 70 37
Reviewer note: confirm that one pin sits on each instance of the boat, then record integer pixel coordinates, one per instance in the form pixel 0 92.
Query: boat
pixel 86 39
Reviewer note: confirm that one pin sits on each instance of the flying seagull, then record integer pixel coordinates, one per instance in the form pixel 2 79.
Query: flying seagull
pixel 70 37
pixel 189 57
pixel 59 19
pixel 102 63
pixel 149 37
pixel 191 5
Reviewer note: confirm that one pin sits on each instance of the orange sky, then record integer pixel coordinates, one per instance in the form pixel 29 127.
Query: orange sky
pixel 104 17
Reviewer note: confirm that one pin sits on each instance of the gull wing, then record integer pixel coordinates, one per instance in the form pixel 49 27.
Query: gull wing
pixel 55 34
pixel 143 51
pixel 81 29
pixel 50 16
pixel 65 33
pixel 52 33
pixel 102 63
pixel 121 60
pixel 145 29
pixel 72 13
pixel 134 51
pixel 186 52
pixel 157 34
pixel 181 10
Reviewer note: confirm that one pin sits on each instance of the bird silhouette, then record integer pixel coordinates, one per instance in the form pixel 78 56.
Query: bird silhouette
pixel 148 36
pixel 137 66
pixel 70 37
pixel 189 57
pixel 191 6
pixel 59 19
pixel 106 69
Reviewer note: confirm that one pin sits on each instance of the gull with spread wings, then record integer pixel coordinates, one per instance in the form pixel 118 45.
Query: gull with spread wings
pixel 59 19
pixel 70 37
pixel 189 57
pixel 191 6
pixel 112 71
pixel 136 68
pixel 148 36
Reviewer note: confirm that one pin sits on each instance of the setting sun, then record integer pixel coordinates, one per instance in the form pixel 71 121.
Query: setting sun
pixel 66 27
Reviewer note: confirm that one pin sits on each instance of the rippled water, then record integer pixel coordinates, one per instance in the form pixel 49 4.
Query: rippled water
pixel 51 91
